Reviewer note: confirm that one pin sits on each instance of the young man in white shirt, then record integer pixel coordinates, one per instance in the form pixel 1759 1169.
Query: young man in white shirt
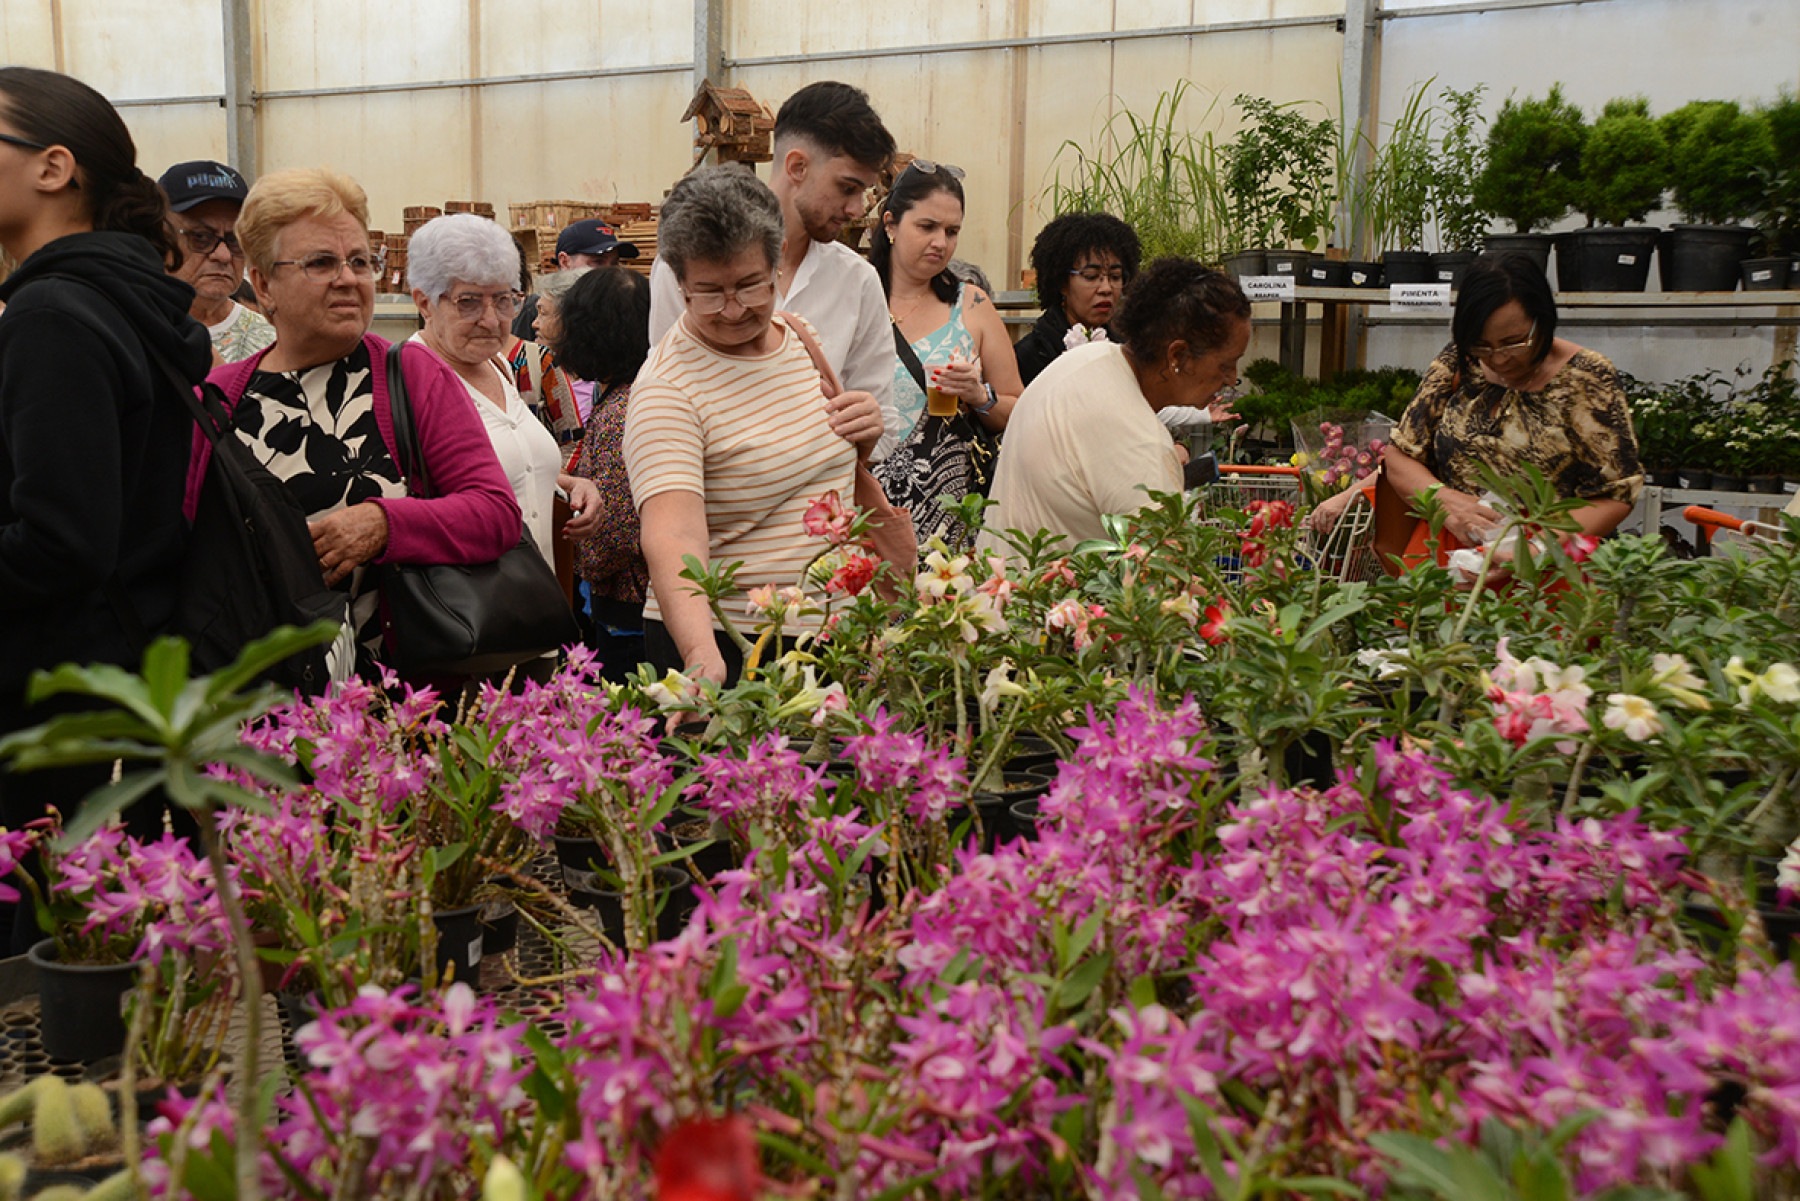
pixel 830 149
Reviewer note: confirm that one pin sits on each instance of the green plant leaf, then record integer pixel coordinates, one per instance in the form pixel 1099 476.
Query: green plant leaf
pixel 1083 980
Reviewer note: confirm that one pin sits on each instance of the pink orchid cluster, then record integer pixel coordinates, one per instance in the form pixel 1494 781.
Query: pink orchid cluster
pixel 358 743
pixel 1535 698
pixel 903 767
pixel 156 897
pixel 1341 462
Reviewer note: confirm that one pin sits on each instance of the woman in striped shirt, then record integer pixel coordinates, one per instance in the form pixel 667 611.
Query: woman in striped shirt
pixel 729 435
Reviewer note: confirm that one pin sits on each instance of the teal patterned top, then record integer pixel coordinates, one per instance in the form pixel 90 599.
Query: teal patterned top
pixel 934 351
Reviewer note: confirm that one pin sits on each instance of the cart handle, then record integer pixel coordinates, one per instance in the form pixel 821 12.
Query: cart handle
pixel 1700 515
pixel 1247 469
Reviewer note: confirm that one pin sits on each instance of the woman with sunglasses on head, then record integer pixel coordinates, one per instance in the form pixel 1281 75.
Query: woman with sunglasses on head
pixel 950 340
pixel 313 408
pixel 1507 392
pixel 94 437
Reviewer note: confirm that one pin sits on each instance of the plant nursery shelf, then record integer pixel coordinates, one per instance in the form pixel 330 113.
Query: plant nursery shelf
pixel 1337 302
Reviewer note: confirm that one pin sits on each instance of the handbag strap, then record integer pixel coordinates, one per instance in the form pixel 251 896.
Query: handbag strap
pixel 909 358
pixel 803 331
pixel 406 431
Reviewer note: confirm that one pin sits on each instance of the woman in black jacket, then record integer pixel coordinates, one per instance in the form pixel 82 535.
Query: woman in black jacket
pixel 94 441
pixel 1084 262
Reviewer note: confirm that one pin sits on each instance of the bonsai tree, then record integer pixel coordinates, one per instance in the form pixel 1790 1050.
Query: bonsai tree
pixel 1715 148
pixel 1624 161
pixel 1461 156
pixel 1534 161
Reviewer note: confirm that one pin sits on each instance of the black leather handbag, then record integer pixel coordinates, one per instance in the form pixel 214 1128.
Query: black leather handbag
pixel 458 619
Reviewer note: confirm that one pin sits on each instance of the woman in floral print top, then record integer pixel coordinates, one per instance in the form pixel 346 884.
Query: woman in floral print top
pixel 603 336
pixel 1508 392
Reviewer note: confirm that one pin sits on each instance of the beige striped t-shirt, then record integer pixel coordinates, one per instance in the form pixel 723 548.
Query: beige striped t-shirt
pixel 750 436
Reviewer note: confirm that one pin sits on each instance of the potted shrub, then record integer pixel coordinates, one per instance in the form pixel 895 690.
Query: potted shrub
pixel 1777 215
pixel 1251 162
pixel 1303 211
pixel 1533 160
pixel 1623 162
pixel 1715 148
pixel 1664 423
pixel 1461 156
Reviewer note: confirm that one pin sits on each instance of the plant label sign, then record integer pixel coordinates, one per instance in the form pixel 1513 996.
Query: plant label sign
pixel 1433 298
pixel 1267 287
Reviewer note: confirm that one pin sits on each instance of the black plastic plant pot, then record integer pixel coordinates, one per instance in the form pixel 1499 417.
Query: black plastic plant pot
pixel 1449 266
pixel 1703 258
pixel 1535 247
pixel 1407 267
pixel 1247 262
pixel 577 857
pixel 674 901
pixel 1768 485
pixel 80 1005
pixel 1663 477
pixel 1288 262
pixel 1765 275
pixel 459 942
pixel 1697 479
pixel 1605 258
pixel 1722 482
pixel 1360 273
pixel 1326 273
pixel 499 927
pixel 1024 816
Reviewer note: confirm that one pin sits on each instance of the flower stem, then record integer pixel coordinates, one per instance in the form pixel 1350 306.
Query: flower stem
pixel 249 1121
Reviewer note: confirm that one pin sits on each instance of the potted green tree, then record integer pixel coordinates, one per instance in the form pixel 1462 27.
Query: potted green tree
pixel 1715 148
pixel 1533 160
pixel 1303 208
pixel 1461 156
pixel 1778 212
pixel 1623 163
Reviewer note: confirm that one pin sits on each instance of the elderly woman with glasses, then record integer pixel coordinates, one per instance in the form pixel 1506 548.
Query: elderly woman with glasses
pixel 729 435
pixel 1507 392
pixel 314 406
pixel 463 271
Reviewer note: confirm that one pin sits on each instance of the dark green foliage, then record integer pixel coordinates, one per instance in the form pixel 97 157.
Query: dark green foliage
pixel 1534 160
pixel 1278 175
pixel 1715 149
pixel 1461 157
pixel 1624 163
pixel 1280 397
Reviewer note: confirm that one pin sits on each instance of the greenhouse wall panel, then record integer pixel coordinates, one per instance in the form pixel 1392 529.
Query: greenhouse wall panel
pixel 350 43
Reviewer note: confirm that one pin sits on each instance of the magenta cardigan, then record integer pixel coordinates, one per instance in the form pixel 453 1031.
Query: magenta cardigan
pixel 475 517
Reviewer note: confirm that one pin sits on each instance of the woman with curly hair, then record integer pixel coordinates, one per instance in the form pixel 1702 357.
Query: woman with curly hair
pixel 1085 440
pixel 1084 263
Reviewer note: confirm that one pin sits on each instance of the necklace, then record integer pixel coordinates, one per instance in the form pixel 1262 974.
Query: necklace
pixel 903 318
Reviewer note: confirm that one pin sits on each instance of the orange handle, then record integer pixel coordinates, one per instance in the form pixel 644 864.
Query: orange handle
pixel 1704 516
pixel 1245 469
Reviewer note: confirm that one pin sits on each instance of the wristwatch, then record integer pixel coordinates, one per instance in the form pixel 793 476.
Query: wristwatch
pixel 992 400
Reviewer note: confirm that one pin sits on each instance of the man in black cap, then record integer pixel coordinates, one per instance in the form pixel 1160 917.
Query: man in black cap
pixel 591 244
pixel 204 200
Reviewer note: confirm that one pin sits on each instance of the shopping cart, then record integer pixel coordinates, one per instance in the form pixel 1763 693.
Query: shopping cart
pixel 1346 552
pixel 1731 535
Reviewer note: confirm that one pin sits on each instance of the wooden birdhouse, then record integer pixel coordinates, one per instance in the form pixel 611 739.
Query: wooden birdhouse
pixel 731 122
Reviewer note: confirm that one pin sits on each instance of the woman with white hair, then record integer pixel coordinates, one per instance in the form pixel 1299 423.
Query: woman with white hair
pixel 464 273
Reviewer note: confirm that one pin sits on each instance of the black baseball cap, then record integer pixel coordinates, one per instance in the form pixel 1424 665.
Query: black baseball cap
pixel 196 182
pixel 593 237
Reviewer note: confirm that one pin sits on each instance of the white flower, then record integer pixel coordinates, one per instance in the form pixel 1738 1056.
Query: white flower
pixel 999 685
pixel 1672 674
pixel 1081 335
pixel 1787 872
pixel 673 690
pixel 1780 683
pixel 944 576
pixel 1632 714
pixel 1384 664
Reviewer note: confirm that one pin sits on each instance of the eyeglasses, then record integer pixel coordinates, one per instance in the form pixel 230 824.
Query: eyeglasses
pixel 204 241
pixel 1093 274
pixel 323 268
pixel 471 305
pixel 926 167
pixel 27 143
pixel 749 296
pixel 1505 349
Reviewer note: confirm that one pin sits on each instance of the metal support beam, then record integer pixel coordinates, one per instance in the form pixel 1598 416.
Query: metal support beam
pixel 240 94
pixel 1482 6
pixel 1357 83
pixel 492 81
pixel 709 42
pixel 1031 43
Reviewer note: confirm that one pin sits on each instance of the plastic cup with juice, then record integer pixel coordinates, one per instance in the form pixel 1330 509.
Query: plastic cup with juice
pixel 939 403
